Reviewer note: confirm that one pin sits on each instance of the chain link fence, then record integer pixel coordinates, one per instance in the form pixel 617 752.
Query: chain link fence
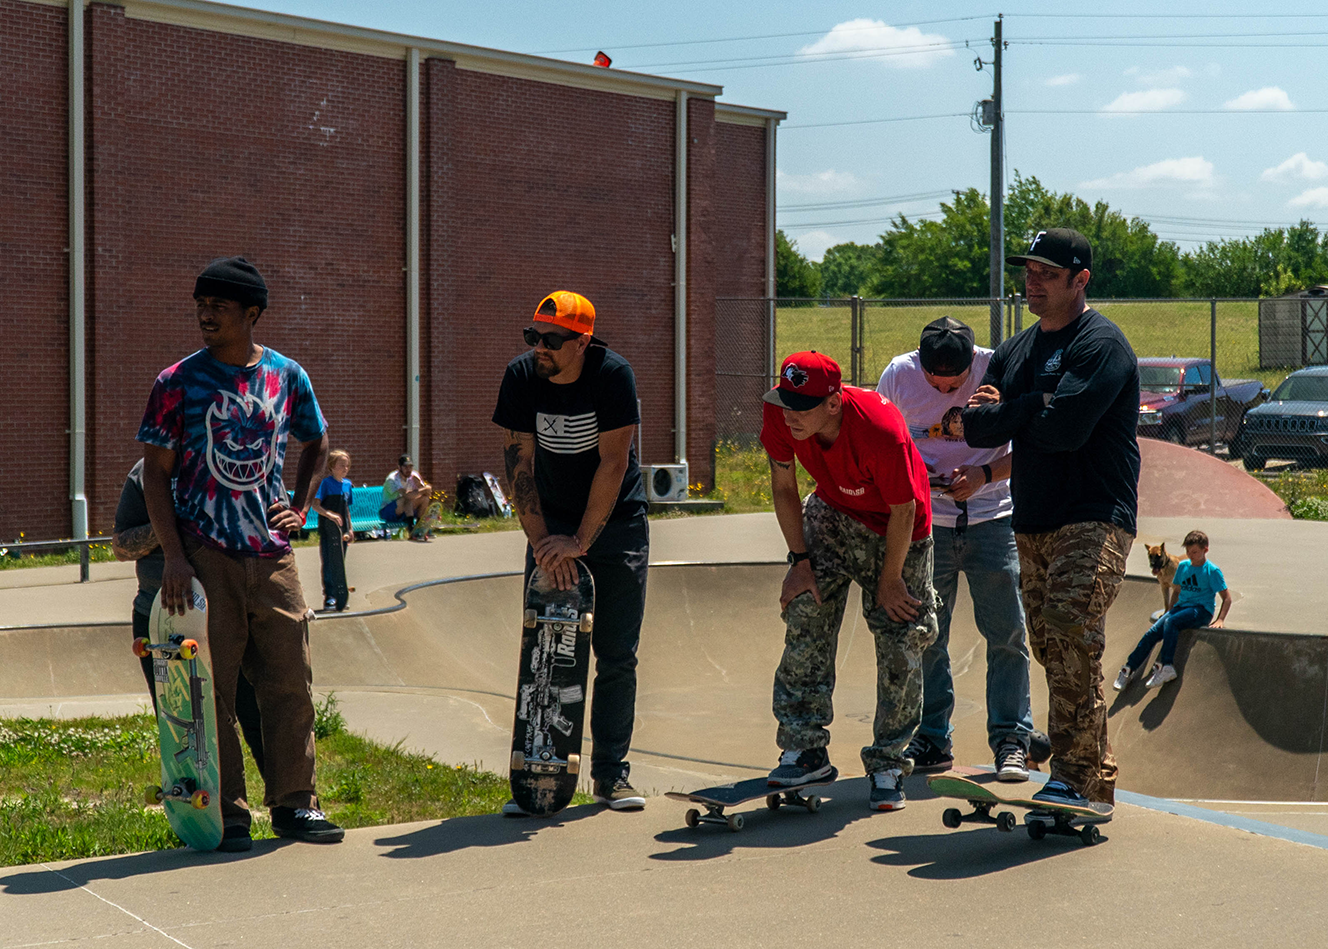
pixel 863 335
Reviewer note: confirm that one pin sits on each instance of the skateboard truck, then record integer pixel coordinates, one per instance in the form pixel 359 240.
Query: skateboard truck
pixel 1041 823
pixel 546 763
pixel 715 812
pixel 1005 821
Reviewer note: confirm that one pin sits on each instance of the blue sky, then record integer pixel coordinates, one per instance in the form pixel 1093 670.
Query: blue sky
pixel 1206 126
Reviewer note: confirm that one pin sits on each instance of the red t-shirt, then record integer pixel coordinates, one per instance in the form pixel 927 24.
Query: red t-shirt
pixel 872 464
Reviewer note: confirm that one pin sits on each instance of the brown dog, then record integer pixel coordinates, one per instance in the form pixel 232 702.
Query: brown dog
pixel 1164 567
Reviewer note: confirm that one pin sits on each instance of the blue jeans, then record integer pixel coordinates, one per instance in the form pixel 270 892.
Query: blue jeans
pixel 987 555
pixel 1167 629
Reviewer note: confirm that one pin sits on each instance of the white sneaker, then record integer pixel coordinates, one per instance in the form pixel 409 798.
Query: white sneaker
pixel 513 809
pixel 1161 675
pixel 1123 678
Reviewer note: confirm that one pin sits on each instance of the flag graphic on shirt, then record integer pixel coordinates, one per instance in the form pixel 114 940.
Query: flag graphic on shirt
pixel 567 434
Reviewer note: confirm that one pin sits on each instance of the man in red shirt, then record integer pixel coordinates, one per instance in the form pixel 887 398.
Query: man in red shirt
pixel 868 521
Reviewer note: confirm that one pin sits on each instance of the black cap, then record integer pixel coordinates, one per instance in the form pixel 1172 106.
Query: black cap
pixel 946 348
pixel 1057 247
pixel 405 460
pixel 232 278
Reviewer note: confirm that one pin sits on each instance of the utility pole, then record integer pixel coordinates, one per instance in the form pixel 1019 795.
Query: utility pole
pixel 997 202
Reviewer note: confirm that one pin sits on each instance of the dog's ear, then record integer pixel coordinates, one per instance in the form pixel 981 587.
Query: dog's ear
pixel 1162 549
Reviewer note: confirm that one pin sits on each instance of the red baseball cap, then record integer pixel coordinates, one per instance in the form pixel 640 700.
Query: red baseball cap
pixel 805 380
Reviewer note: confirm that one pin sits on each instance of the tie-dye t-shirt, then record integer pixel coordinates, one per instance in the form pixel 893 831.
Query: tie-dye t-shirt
pixel 228 426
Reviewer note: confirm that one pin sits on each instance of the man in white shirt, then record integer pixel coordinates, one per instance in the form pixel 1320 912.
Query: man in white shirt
pixel 971 529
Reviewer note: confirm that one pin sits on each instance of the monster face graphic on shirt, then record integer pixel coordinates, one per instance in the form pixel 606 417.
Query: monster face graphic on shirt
pixel 242 440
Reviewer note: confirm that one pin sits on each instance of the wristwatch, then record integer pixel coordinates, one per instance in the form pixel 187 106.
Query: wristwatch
pixel 795 558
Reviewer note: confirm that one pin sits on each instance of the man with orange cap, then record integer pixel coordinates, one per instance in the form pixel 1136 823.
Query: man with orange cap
pixel 568 406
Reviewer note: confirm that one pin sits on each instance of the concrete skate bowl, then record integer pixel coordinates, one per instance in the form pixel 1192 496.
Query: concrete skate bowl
pixel 1246 720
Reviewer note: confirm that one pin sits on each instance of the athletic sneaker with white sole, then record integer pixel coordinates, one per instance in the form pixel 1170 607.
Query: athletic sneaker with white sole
pixel 800 767
pixel 618 794
pixel 1161 676
pixel 513 809
pixel 1011 762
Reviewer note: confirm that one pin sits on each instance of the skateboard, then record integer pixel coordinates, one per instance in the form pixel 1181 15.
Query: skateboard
pixel 731 795
pixel 186 721
pixel 984 792
pixel 500 499
pixel 431 521
pixel 551 692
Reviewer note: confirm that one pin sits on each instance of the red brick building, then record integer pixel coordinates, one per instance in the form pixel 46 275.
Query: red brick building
pixel 209 130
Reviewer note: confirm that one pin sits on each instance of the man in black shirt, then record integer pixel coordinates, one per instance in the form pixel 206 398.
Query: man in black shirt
pixel 1066 393
pixel 569 410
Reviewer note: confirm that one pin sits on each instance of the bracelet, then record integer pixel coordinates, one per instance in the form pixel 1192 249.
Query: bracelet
pixel 986 470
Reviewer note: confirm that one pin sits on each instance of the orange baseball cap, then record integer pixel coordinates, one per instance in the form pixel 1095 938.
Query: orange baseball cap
pixel 569 310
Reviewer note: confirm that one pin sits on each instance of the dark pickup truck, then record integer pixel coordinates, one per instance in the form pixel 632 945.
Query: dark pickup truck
pixel 1174 401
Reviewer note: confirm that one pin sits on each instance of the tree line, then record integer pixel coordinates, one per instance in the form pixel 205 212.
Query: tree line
pixel 950 257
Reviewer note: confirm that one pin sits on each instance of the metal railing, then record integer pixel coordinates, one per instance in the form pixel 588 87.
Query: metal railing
pixel 84 545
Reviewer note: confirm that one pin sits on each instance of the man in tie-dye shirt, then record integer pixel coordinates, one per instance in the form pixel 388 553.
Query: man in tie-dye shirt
pixel 218 422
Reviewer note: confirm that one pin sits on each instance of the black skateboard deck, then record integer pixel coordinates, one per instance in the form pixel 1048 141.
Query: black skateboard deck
pixel 731 795
pixel 551 692
pixel 984 792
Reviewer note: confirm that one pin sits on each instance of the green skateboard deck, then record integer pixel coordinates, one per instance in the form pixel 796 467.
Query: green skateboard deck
pixel 186 721
pixel 985 793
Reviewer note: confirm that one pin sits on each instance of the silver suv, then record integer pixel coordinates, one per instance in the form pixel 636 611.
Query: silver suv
pixel 1292 425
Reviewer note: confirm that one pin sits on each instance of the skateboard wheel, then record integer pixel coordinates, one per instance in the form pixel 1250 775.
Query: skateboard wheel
pixel 587 624
pixel 200 800
pixel 772 801
pixel 951 817
pixel 573 764
pixel 1089 834
pixel 152 795
pixel 813 804
pixel 1005 822
pixel 141 649
pixel 518 761
pixel 189 649
pixel 735 822
pixel 530 619
pixel 1037 830
pixel 692 818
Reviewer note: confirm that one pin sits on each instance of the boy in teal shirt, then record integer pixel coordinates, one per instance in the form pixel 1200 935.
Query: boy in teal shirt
pixel 1198 581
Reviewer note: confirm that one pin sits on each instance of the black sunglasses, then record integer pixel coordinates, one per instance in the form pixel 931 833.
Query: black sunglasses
pixel 552 341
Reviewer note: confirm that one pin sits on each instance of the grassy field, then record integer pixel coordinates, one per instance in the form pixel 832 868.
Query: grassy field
pixel 74 788
pixel 1154 329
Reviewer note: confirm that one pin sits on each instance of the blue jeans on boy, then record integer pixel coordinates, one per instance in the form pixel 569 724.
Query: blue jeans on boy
pixel 1167 629
pixel 989 559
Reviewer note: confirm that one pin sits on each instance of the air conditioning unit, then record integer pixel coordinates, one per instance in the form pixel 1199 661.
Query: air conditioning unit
pixel 665 482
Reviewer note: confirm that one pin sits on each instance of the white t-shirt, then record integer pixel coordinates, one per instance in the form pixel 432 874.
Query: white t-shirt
pixel 934 422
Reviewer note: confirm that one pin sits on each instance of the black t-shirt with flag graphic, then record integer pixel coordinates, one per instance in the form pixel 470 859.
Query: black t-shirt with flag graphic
pixel 566 420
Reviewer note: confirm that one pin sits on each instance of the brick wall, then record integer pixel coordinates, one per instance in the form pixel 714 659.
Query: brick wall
pixel 34 232
pixel 204 144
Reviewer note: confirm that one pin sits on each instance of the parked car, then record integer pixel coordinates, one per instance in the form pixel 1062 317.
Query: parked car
pixel 1174 401
pixel 1292 425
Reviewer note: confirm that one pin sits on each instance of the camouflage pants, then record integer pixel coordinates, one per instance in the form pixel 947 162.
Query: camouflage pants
pixel 1069 578
pixel 843 551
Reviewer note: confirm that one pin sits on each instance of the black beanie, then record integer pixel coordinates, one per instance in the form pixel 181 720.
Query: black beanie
pixel 232 278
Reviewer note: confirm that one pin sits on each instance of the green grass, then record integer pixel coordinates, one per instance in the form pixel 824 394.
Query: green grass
pixel 11 559
pixel 73 788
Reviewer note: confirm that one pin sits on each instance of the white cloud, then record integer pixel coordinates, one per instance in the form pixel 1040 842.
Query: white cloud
pixel 818 182
pixel 1313 198
pixel 1069 79
pixel 1298 165
pixel 908 48
pixel 1150 100
pixel 1154 78
pixel 814 244
pixel 1269 97
pixel 1196 171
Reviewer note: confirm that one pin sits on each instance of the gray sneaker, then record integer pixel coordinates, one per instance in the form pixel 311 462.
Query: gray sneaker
pixel 618 794
pixel 1011 761
pixel 800 767
pixel 887 790
pixel 513 809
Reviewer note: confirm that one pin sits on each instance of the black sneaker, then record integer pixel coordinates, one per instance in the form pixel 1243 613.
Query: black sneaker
pixel 618 794
pixel 800 767
pixel 1011 761
pixel 928 757
pixel 305 823
pixel 1058 792
pixel 235 839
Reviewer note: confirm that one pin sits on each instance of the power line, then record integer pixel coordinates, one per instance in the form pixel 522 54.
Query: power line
pixel 901 118
pixel 780 59
pixel 867 202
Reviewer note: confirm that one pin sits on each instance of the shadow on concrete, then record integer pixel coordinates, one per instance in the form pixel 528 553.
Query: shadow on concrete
pixel 965 854
pixel 485 830
pixel 38 879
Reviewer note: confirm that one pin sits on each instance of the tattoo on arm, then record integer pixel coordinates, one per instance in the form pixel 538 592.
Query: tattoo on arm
pixel 525 494
pixel 589 541
pixel 136 542
pixel 519 460
pixel 782 465
pixel 511 456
